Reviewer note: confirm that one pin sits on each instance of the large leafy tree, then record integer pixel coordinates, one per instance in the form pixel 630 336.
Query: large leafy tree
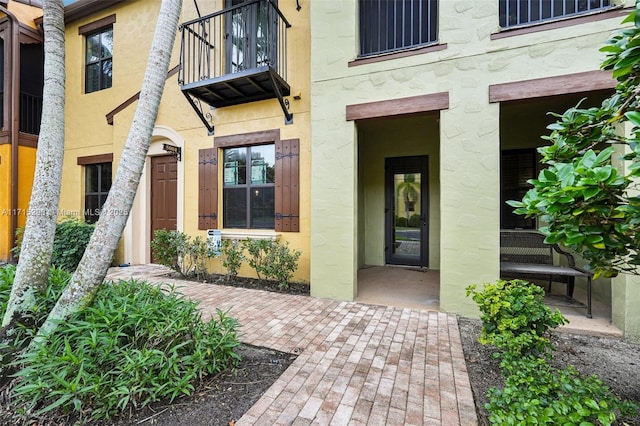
pixel 587 194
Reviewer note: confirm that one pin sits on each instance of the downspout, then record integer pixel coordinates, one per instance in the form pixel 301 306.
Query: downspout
pixel 14 119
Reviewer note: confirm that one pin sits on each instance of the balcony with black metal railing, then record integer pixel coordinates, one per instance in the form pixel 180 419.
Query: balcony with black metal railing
pixel 235 56
pixel 30 112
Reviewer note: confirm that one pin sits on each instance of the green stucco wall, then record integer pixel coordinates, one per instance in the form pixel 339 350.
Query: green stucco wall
pixel 469 134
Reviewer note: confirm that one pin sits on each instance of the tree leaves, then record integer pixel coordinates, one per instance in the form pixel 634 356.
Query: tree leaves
pixel 584 192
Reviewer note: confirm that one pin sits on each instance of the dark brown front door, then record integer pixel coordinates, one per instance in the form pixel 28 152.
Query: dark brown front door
pixel 164 193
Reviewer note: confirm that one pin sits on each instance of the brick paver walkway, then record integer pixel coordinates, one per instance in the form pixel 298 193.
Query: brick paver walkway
pixel 357 365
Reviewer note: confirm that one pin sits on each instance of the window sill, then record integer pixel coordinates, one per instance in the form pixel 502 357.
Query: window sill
pixel 254 234
pixel 561 22
pixel 396 55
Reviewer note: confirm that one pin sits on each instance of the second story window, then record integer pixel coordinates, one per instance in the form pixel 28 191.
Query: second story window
pixel 390 25
pixel 99 60
pixel 522 12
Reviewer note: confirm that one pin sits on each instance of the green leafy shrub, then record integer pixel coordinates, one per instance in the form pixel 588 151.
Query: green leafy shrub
pixel 7 274
pixel 516 321
pixel 232 257
pixel 31 321
pixel 176 250
pixel 71 239
pixel 415 221
pixel 514 317
pixel 257 254
pixel 401 222
pixel 537 393
pixel 135 344
pixel 272 260
pixel 281 263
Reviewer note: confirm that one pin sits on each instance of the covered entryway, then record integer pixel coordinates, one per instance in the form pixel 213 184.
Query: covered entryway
pixel 522 123
pixel 166 209
pixel 398 209
pixel 164 188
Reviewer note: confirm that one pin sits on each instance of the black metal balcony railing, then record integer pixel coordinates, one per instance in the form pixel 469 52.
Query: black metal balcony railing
pixel 235 56
pixel 521 12
pixel 249 35
pixel 30 113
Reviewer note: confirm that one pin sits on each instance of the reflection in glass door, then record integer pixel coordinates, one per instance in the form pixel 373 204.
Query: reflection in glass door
pixel 251 36
pixel 406 211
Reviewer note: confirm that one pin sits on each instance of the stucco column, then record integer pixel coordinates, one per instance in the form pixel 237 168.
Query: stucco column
pixel 625 292
pixel 470 196
pixel 625 288
pixel 333 208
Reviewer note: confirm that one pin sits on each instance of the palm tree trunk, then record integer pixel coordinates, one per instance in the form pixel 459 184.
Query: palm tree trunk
pixel 37 242
pixel 99 253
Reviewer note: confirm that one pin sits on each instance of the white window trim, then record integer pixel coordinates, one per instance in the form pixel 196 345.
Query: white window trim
pixel 254 234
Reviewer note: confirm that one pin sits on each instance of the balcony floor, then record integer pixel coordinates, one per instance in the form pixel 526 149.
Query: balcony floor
pixel 251 85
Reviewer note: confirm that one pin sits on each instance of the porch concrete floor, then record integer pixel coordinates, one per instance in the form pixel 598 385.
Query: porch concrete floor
pixel 402 287
pixel 414 288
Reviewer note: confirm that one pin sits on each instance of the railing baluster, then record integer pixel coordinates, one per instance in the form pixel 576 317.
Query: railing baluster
pixel 30 113
pixel 240 37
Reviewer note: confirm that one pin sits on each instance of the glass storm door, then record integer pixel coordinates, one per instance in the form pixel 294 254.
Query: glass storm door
pixel 406 211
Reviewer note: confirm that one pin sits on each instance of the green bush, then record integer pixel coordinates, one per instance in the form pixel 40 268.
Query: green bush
pixel 135 344
pixel 176 250
pixel 514 317
pixel 7 274
pixel 415 221
pixel 516 321
pixel 281 263
pixel 31 321
pixel 71 239
pixel 401 222
pixel 257 254
pixel 537 393
pixel 232 257
pixel 272 260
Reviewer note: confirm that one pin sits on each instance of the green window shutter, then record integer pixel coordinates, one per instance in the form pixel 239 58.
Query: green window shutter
pixel 287 191
pixel 208 188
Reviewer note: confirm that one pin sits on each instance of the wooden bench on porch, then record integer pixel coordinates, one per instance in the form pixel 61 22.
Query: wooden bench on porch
pixel 524 253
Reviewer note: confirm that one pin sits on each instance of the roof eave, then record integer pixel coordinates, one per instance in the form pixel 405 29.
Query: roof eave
pixel 82 8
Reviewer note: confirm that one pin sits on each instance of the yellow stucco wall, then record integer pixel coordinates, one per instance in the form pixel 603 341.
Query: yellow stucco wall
pixel 469 131
pixel 25 13
pixel 5 201
pixel 26 167
pixel 87 132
